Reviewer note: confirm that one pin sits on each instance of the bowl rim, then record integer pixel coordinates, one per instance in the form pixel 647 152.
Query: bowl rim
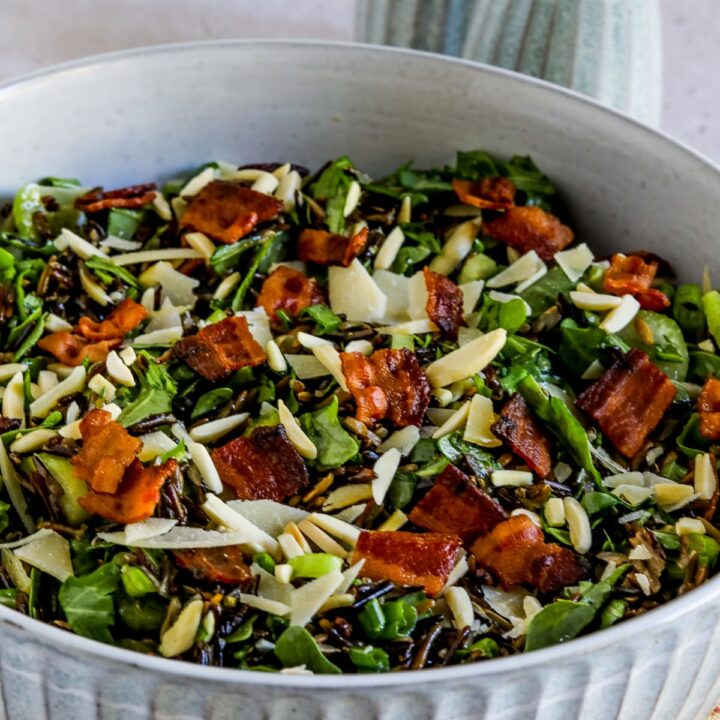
pixel 68 641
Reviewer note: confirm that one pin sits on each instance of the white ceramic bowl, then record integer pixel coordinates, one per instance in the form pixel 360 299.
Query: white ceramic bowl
pixel 135 116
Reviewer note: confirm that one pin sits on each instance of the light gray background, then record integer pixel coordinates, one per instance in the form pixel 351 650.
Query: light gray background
pixel 35 33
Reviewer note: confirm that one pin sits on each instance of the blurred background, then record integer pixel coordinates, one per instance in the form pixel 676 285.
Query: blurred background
pixel 654 59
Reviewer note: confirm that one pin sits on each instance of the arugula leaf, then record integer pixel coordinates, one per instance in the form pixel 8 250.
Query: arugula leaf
pixel 210 400
pixel 296 646
pixel 564 620
pixel 332 186
pixel 88 602
pixel 543 293
pixel 579 346
pixel 562 422
pixel 228 257
pixel 334 444
pixel 527 177
pixel 326 321
pixel 401 489
pixel 510 316
pixel 106 269
pixel 263 256
pixel 419 234
pixel 416 184
pixel 711 307
pixel 408 257
pixel 32 338
pixel 369 659
pixel 455 449
pixel 155 393
pixel 703 365
pixel 668 350
pixel 690 442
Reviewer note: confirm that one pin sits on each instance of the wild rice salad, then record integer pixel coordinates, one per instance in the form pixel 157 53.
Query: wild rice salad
pixel 319 423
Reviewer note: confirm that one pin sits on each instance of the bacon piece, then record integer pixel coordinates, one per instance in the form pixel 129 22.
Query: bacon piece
pixel 709 409
pixel 444 305
pixel 530 228
pixel 136 497
pixel 525 436
pixel 491 193
pixel 290 290
pixel 325 248
pixel 516 552
pixel 98 199
pixel 226 211
pixel 388 384
pixel 264 465
pixel 631 275
pixel 72 350
pixel 108 450
pixel 220 349
pixel 628 401
pixel 221 564
pixel 121 320
pixel 406 558
pixel 454 505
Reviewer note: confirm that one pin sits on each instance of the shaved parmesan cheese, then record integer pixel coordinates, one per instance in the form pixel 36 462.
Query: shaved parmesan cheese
pixel 27 539
pixel 479 423
pixel 525 284
pixel 283 573
pixel 82 248
pixel 467 360
pixel 352 513
pixel 467 335
pixel 689 526
pixel 417 297
pixel 705 478
pixel 364 347
pixel 287 190
pixel 270 516
pixel 454 422
pixel 385 468
pixel 624 478
pixel 15 570
pixel 460 606
pixel 594 301
pixel 168 316
pixel 403 440
pixel 631 494
pixel 456 247
pixel 330 358
pixel 321 539
pixel 32 441
pixel 49 553
pixel 620 316
pixel 307 367
pixel 394 522
pixel 396 288
pixel 118 243
pixel 162 254
pixel 335 601
pixel 152 527
pixel 269 606
pixel 74 383
pixel 301 442
pixel 118 370
pixel 168 336
pixel 349 577
pixel 13 401
pixel 180 538
pixel 93 288
pixel 290 546
pixel 347 495
pixel 522 269
pixel 575 262
pixel 412 327
pixel 438 416
pixel 307 599
pixel 176 286
pixel 460 569
pixel 337 528
pixel 180 636
pixel 471 294
pixel 389 249
pixel 512 478
pixel 224 515
pixel 355 294
pixel 162 207
pixel 154 444
pixel 215 429
pixel 258 324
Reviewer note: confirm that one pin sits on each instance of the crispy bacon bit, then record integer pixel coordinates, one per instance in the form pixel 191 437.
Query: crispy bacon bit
pixel 406 558
pixel 289 290
pixel 72 350
pixel 628 401
pixel 524 434
pixel 709 409
pixel 134 196
pixel 220 349
pixel 226 211
pixel 325 248
pixel 124 318
pixel 631 275
pixel 491 193
pixel 136 497
pixel 454 505
pixel 221 564
pixel 444 305
pixel 264 465
pixel 108 450
pixel 388 384
pixel 530 228
pixel 516 552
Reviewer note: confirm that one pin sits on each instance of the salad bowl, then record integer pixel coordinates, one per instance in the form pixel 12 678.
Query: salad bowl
pixel 123 118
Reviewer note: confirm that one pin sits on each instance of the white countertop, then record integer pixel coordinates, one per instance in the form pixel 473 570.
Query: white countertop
pixel 35 33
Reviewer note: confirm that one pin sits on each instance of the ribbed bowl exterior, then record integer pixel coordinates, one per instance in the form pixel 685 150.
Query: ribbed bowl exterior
pixel 135 116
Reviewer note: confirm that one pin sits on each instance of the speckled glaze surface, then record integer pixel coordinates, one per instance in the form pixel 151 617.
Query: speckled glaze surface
pixel 608 49
pixel 136 116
